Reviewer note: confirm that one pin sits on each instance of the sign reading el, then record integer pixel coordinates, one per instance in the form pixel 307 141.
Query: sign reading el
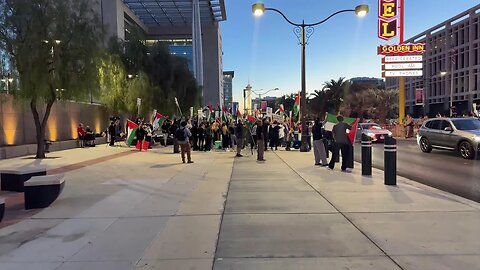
pixel 387 19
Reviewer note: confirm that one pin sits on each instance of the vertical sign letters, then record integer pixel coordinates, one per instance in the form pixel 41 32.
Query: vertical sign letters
pixel 387 19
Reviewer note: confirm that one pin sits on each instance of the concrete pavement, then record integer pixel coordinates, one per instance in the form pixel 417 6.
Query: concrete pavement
pixel 440 169
pixel 149 211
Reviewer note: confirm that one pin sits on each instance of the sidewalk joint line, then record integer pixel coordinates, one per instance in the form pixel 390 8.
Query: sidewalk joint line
pixel 343 214
pixel 223 215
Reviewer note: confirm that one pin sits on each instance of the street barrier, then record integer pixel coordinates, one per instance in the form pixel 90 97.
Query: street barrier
pixel 390 161
pixel 351 157
pixel 366 155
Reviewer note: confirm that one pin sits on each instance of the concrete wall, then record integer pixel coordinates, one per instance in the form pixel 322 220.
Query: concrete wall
pixel 112 15
pixel 17 126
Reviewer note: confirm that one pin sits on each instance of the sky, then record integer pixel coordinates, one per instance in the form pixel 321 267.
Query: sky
pixel 265 52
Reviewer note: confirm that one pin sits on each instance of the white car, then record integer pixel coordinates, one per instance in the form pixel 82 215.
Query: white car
pixel 372 130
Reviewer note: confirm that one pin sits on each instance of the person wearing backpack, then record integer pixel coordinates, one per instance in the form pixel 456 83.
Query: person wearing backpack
pixel 183 136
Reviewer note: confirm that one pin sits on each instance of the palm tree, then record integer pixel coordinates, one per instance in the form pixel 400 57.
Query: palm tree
pixel 387 103
pixel 317 103
pixel 336 91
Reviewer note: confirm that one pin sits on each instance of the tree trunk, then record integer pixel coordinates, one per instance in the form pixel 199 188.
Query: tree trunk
pixel 40 126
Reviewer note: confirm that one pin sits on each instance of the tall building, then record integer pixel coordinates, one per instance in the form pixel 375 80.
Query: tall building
pixel 228 88
pixel 368 82
pixel 189 28
pixel 453 48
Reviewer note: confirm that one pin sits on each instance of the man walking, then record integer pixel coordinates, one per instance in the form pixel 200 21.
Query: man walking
pixel 240 136
pixel 260 141
pixel 342 143
pixel 318 146
pixel 183 135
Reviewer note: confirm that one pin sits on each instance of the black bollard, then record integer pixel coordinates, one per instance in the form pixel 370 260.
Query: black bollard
pixel 366 155
pixel 390 161
pixel 351 157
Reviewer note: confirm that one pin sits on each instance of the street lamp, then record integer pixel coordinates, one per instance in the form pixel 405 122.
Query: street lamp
pixel 304 31
pixel 444 73
pixel 7 82
pixel 264 93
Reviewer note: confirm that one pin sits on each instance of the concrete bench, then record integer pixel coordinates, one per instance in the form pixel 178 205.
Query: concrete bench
pixel 13 179
pixel 2 208
pixel 41 191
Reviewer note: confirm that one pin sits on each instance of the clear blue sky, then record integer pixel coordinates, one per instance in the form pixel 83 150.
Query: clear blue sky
pixel 265 50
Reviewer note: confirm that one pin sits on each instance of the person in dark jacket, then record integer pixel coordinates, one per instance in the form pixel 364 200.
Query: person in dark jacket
pixel 173 129
pixel 201 136
pixel 266 133
pixel 260 141
pixel 274 136
pixel 208 138
pixel 111 132
pixel 318 146
pixel 240 135
pixel 194 131
pixel 342 143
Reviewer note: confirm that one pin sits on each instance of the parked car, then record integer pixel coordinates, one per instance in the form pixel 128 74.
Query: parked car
pixel 158 137
pixel 455 134
pixel 373 130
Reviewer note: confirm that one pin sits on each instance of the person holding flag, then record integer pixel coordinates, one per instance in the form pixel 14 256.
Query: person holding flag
pixel 342 143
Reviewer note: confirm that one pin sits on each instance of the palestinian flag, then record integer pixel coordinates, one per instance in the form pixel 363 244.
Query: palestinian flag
pixel 158 121
pixel 224 117
pixel 251 119
pixel 331 120
pixel 239 114
pixel 281 109
pixel 132 129
pixel 296 106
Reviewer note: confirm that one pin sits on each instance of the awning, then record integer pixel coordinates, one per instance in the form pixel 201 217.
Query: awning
pixel 175 12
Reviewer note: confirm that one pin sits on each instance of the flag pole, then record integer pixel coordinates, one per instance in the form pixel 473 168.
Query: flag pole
pixel 178 106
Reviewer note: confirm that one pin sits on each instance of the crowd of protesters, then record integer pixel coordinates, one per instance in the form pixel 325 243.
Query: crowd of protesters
pixel 187 135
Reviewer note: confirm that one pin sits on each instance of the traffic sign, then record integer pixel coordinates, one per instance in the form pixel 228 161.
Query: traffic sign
pixel 402 73
pixel 403 58
pixel 403 66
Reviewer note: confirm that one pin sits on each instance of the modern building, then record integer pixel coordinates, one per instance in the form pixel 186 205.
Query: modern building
pixel 247 100
pixel 451 67
pixel 228 88
pixel 190 28
pixel 368 82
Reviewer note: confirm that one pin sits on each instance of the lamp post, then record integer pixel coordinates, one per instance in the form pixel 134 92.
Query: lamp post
pixel 260 94
pixel 7 82
pixel 304 31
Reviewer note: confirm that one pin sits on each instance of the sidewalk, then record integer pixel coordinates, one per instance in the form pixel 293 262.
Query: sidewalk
pixel 149 211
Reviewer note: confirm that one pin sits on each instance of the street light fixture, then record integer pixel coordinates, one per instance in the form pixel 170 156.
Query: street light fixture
pixel 304 31
pixel 361 10
pixel 261 94
pixel 258 9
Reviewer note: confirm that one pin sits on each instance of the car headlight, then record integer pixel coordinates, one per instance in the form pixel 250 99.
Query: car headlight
pixel 476 138
pixel 390 134
pixel 369 134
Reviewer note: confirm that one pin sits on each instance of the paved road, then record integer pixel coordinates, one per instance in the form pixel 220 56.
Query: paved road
pixel 444 170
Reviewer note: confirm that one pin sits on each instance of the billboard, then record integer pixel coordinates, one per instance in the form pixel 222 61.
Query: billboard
pixel 419 96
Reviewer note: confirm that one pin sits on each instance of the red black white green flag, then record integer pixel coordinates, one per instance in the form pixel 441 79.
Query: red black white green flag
pixel 331 120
